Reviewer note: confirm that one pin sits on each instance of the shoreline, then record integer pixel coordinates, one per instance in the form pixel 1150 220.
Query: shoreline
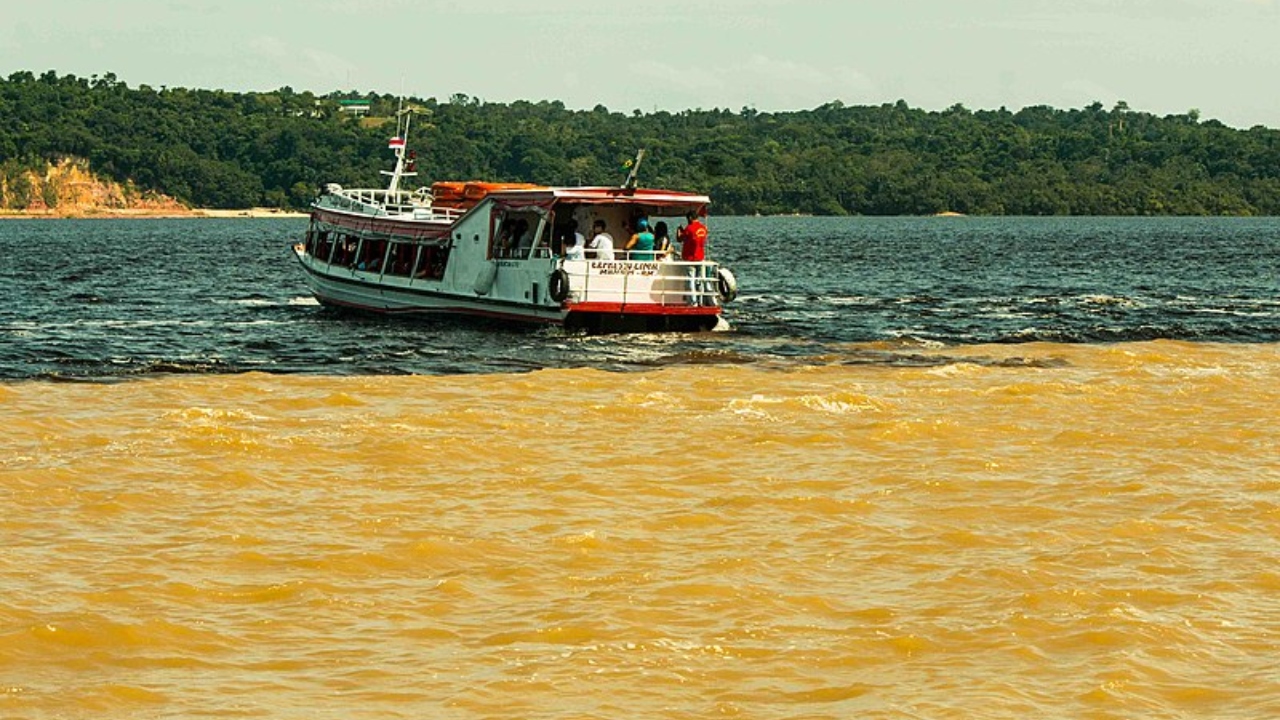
pixel 149 213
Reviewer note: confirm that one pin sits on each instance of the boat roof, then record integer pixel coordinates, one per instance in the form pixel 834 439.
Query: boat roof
pixel 600 196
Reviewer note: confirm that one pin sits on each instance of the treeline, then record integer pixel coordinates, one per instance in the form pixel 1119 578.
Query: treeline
pixel 211 148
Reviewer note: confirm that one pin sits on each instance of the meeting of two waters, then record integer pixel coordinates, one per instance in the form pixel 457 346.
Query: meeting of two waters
pixel 109 298
pixel 933 467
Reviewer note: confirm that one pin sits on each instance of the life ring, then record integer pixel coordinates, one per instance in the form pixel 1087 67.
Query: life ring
pixel 727 284
pixel 558 285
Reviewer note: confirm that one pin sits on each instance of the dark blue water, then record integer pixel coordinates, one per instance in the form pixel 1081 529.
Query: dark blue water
pixel 106 298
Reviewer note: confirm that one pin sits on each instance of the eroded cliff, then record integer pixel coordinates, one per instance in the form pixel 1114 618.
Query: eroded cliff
pixel 68 188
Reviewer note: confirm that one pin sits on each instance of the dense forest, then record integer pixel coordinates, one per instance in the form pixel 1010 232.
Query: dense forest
pixel 217 149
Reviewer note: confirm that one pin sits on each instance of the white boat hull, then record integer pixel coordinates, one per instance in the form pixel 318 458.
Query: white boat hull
pixel 368 292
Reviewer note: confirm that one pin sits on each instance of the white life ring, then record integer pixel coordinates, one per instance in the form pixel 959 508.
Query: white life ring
pixel 727 284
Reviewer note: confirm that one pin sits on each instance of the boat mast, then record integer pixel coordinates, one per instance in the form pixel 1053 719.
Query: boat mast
pixel 633 176
pixel 398 143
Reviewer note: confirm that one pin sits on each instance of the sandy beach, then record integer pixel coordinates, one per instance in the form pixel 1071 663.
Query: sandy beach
pixel 251 212
pixel 125 213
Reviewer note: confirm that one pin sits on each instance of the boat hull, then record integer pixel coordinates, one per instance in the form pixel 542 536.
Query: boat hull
pixel 364 292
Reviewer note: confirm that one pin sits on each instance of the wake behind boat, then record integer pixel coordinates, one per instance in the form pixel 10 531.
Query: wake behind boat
pixel 506 250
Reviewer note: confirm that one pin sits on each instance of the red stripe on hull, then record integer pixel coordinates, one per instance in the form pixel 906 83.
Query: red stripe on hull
pixel 635 309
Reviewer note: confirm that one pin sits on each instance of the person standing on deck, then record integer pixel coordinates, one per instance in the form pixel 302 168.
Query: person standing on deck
pixel 693 248
pixel 661 241
pixel 693 239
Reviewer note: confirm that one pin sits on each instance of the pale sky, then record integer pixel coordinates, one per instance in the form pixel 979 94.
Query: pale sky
pixel 1220 57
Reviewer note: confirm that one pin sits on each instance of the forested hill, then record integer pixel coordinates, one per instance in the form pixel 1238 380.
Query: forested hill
pixel 217 149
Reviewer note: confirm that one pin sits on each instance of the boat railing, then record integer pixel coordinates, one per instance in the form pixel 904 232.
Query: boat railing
pixel 377 201
pixel 674 283
pixel 639 255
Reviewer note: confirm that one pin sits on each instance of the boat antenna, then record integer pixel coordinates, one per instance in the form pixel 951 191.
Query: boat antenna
pixel 630 182
pixel 398 143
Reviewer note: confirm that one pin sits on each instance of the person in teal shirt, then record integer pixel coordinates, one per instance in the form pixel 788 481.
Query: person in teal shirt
pixel 640 247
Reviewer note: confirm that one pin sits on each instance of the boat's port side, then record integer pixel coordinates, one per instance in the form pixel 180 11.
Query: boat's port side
pixel 339 248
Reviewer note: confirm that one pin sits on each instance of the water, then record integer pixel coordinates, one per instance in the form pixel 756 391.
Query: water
pixel 104 298
pixel 942 468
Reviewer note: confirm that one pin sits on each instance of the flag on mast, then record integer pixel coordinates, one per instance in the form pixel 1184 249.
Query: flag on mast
pixel 396 143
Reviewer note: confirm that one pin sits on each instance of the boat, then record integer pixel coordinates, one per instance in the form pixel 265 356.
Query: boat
pixel 447 249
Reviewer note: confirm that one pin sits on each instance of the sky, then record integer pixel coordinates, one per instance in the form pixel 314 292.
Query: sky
pixel 1220 58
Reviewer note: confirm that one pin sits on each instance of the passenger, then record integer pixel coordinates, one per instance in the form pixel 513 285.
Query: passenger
pixel 578 238
pixel 693 239
pixel 523 238
pixel 640 246
pixel 661 241
pixel 506 239
pixel 693 249
pixel 371 257
pixel 573 247
pixel 431 264
pixel 601 246
pixel 346 253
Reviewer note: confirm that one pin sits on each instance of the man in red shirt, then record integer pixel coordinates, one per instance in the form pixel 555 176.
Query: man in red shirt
pixel 693 239
pixel 693 248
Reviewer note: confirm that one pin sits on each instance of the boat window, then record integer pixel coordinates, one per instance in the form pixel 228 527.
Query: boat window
pixel 318 245
pixel 542 248
pixel 431 262
pixel 344 250
pixel 400 261
pixel 515 234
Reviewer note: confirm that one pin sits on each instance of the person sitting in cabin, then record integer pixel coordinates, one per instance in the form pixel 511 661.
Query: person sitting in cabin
pixel 601 245
pixel 511 235
pixel 345 253
pixel 523 238
pixel 661 241
pixel 506 239
pixel 573 246
pixel 571 233
pixel 370 257
pixel 640 246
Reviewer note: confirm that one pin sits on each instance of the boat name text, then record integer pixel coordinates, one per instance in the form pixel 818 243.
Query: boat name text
pixel 604 267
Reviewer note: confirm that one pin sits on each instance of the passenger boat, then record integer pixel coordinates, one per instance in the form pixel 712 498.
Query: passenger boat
pixel 447 249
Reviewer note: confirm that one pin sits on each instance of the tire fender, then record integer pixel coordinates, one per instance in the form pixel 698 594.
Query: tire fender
pixel 558 285
pixel 484 280
pixel 727 284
